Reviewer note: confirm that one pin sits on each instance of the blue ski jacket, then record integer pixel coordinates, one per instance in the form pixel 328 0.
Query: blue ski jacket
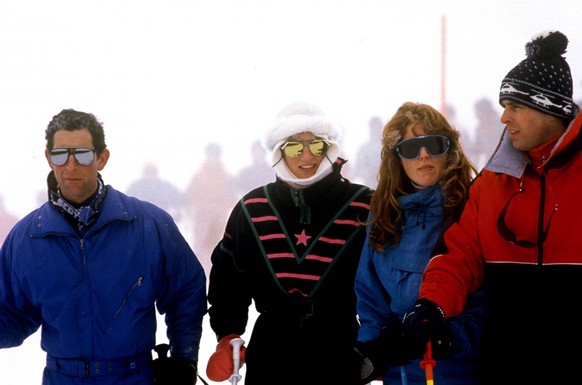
pixel 387 285
pixel 95 296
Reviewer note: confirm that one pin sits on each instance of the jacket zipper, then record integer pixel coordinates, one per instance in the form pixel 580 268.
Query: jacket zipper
pixel 82 244
pixel 135 286
pixel 541 239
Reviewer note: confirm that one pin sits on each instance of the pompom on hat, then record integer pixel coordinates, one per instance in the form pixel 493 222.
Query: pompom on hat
pixel 542 80
pixel 294 119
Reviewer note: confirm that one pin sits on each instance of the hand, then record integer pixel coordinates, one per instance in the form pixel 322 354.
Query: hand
pixel 442 344
pixel 426 321
pixel 387 350
pixel 220 364
pixel 173 370
pixel 367 372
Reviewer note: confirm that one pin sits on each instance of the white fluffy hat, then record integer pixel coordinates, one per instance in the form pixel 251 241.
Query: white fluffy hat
pixel 301 117
pixel 294 119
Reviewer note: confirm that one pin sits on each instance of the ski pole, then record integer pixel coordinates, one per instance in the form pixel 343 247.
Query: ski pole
pixel 236 344
pixel 403 375
pixel 428 364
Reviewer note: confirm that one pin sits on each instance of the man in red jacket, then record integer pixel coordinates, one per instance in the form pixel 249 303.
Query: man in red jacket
pixel 520 233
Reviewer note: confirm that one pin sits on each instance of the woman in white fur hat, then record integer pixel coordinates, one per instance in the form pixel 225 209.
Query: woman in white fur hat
pixel 292 247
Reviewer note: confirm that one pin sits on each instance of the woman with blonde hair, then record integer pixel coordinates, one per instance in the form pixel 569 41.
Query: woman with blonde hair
pixel 424 177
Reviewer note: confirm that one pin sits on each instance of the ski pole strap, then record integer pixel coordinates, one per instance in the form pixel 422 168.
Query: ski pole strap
pixel 201 378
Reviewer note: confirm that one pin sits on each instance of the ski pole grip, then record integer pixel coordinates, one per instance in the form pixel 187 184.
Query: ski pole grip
pixel 236 345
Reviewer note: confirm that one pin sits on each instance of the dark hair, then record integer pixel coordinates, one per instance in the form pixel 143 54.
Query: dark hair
pixel 72 120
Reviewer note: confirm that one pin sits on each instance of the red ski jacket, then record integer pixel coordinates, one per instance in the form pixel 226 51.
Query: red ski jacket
pixel 521 235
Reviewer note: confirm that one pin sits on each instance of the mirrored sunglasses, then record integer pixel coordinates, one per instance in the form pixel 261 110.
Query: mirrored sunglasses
pixel 318 147
pixel 83 155
pixel 435 145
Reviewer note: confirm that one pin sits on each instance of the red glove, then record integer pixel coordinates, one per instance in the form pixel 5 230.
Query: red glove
pixel 220 364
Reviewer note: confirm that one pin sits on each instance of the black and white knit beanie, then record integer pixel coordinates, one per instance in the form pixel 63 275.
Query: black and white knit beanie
pixel 294 119
pixel 542 80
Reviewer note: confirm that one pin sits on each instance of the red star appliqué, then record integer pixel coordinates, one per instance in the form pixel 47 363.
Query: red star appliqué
pixel 302 238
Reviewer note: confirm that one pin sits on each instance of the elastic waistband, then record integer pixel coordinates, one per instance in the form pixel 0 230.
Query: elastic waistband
pixel 92 368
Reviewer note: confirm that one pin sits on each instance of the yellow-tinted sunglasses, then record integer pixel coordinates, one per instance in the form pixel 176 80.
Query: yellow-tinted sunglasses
pixel 318 147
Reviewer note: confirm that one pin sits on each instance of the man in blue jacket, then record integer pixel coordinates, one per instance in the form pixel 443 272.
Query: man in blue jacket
pixel 91 265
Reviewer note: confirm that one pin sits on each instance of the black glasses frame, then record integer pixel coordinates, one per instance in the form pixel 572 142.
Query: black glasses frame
pixel 58 158
pixel 435 145
pixel 508 234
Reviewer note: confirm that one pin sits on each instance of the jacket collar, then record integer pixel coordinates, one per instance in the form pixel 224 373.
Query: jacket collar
pixel 49 219
pixel 507 160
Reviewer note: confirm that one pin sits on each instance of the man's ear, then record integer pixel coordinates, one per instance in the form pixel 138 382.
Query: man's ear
pixel 102 159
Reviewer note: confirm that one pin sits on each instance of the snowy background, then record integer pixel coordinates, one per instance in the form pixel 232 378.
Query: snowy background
pixel 168 77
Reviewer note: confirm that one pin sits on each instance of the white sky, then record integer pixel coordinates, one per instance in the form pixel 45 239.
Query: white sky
pixel 168 76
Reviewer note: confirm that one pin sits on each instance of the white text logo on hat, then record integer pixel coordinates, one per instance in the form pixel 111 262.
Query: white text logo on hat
pixel 542 80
